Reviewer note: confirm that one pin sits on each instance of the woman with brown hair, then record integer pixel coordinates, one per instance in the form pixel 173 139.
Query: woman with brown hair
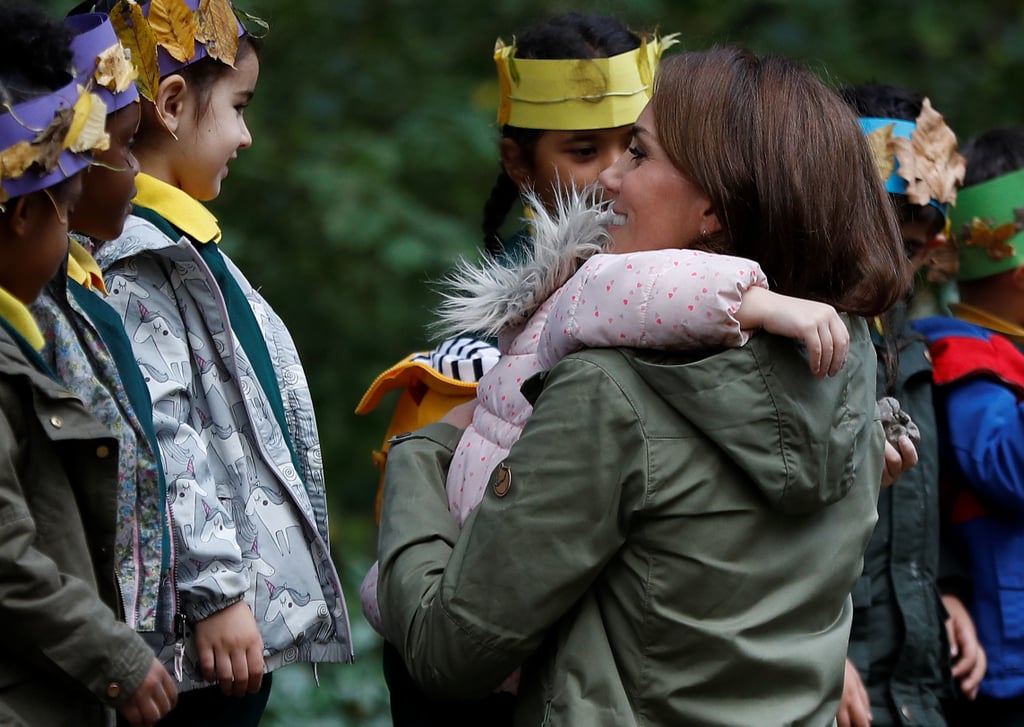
pixel 673 538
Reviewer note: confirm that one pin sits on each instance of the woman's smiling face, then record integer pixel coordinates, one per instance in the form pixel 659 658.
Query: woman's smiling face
pixel 655 206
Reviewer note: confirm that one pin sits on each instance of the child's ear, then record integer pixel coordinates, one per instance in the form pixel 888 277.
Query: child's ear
pixel 1018 277
pixel 18 218
pixel 517 166
pixel 171 102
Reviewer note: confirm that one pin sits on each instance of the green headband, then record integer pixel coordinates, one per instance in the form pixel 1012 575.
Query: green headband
pixel 987 221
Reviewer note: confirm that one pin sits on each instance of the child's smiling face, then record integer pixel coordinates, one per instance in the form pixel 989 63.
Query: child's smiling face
pixel 215 135
pixel 569 159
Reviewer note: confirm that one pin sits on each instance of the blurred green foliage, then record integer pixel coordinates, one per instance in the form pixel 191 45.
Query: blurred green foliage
pixel 375 150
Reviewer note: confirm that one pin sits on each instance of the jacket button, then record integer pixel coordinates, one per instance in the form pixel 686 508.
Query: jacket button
pixel 113 690
pixel 103 451
pixel 56 421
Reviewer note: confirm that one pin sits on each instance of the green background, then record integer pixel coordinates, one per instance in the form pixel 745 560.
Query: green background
pixel 375 149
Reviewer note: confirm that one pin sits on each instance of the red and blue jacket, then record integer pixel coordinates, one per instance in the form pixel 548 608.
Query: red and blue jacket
pixel 979 390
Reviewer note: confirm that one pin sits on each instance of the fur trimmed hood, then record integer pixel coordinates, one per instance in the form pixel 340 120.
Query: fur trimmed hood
pixel 491 296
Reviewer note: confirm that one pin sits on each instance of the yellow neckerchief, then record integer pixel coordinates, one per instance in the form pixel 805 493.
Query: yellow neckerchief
pixel 978 317
pixel 82 268
pixel 177 207
pixel 17 314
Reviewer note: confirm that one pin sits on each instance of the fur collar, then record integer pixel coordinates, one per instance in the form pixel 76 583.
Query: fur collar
pixel 494 296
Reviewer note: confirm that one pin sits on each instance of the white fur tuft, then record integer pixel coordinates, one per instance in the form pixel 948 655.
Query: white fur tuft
pixel 491 297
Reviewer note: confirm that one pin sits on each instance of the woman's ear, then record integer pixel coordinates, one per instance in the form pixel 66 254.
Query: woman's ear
pixel 517 166
pixel 171 102
pixel 709 221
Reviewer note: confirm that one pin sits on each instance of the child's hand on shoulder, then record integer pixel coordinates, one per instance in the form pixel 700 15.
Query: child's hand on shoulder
pixel 817 325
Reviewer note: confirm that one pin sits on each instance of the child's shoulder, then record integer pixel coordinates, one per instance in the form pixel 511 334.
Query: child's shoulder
pixel 139 236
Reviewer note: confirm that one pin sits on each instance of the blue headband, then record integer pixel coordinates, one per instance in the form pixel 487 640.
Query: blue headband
pixel 896 184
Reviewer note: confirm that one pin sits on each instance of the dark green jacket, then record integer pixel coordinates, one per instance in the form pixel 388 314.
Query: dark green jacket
pixel 66 659
pixel 898 639
pixel 669 543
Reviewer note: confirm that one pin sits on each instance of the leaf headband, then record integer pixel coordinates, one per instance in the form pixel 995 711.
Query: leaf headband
pixel 918 158
pixel 571 94
pixel 164 36
pixel 47 139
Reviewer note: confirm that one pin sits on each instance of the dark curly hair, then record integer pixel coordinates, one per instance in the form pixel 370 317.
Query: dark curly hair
pixel 35 55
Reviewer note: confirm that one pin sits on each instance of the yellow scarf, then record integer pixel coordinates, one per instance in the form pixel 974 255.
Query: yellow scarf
pixel 177 207
pixel 17 314
pixel 978 317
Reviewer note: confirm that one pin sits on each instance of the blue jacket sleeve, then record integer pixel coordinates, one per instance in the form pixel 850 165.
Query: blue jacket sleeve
pixel 986 435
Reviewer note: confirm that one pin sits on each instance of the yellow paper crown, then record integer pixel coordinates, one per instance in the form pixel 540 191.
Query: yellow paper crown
pixel 577 93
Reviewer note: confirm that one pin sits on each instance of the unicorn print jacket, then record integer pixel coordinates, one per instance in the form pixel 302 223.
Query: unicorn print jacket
pixel 247 524
pixel 564 294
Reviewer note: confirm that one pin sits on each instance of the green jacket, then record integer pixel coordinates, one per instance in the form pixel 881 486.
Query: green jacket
pixel 898 639
pixel 66 659
pixel 669 543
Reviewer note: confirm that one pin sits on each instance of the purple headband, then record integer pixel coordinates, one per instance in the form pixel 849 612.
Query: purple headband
pixel 94 36
pixel 168 64
pixel 23 123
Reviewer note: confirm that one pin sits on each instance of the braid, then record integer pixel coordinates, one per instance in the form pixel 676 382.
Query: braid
pixel 504 193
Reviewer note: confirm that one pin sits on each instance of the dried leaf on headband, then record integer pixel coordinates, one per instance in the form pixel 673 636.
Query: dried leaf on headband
pixel 114 69
pixel 248 20
pixel 218 30
pixel 15 160
pixel 137 37
pixel 929 160
pixel 88 130
pixel 174 26
pixel 880 141
pixel 994 240
pixel 50 142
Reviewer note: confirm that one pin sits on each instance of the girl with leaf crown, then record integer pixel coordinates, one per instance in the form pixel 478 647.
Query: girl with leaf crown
pixel 69 658
pixel 232 411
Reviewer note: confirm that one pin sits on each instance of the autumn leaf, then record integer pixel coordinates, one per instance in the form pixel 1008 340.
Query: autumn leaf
pixel 88 130
pixel 880 141
pixel 929 160
pixel 994 240
pixel 114 69
pixel 50 141
pixel 138 38
pixel 248 20
pixel 218 30
pixel 174 26
pixel 15 160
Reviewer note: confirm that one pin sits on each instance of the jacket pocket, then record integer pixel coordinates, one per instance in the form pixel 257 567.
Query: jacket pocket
pixel 1010 582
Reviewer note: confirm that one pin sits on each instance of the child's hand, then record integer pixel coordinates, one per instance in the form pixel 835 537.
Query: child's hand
pixel 855 706
pixel 899 458
pixel 154 698
pixel 816 324
pixel 231 650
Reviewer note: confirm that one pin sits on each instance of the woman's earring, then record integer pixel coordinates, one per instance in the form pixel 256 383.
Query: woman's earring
pixel 703 232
